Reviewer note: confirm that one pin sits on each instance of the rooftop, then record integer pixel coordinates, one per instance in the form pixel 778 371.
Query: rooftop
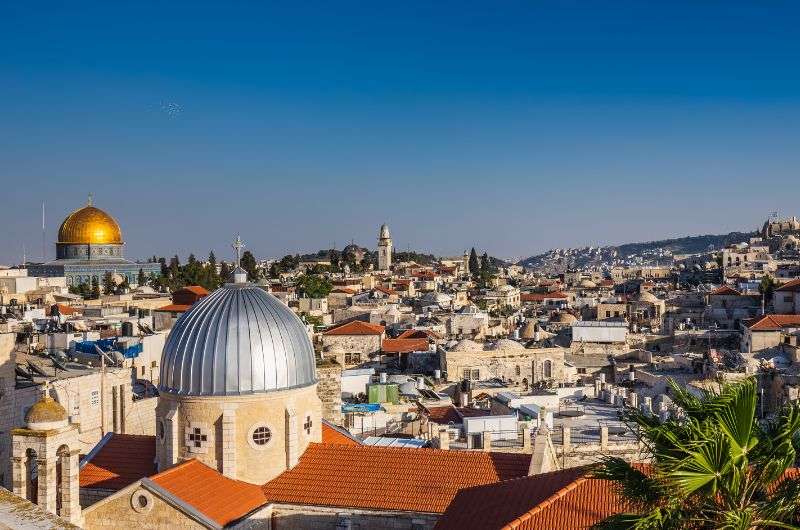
pixel 417 480
pixel 118 461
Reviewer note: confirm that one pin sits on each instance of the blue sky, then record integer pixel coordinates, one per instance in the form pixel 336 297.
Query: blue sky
pixel 510 126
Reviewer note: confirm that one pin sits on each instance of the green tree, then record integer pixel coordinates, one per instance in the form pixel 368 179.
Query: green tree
pixel 248 263
pixel 224 272
pixel 767 287
pixel 474 265
pixel 108 283
pixel 95 290
pixel 314 286
pixel 141 279
pixel 714 467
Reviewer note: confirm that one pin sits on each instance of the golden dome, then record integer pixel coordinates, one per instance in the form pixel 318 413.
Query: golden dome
pixel 90 225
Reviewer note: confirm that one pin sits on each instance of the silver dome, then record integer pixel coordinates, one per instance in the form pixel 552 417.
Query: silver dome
pixel 238 340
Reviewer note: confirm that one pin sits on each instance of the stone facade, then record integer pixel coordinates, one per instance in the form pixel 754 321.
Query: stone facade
pixel 513 365
pixel 329 390
pixel 220 431
pixel 364 344
pixel 123 510
pixel 292 517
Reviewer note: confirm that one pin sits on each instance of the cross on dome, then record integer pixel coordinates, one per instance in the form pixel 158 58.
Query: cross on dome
pixel 238 245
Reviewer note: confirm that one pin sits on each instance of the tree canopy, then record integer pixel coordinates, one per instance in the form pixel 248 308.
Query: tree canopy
pixel 714 466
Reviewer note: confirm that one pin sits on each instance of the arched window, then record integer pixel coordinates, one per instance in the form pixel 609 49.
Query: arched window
pixel 548 369
pixel 32 476
pixel 518 370
pixel 62 477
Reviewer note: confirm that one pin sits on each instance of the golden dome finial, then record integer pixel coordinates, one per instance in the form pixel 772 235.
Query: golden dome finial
pixel 91 196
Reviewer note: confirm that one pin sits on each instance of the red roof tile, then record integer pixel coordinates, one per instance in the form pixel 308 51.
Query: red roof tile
pixel 443 415
pixel 343 290
pixel 386 291
pixel 540 297
pixel 725 290
pixel 214 495
pixel 775 322
pixel 331 435
pixel 124 459
pixel 404 345
pixel 356 327
pixel 418 334
pixel 385 478
pixel 792 286
pixel 175 308
pixel 66 309
pixel 561 500
pixel 194 289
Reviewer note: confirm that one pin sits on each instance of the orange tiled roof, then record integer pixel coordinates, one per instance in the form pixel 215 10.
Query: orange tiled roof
pixel 539 297
pixel 211 493
pixel 387 478
pixel 199 290
pixel 792 286
pixel 331 435
pixel 775 322
pixel 124 459
pixel 343 290
pixel 561 500
pixel 356 327
pixel 66 309
pixel 384 290
pixel 404 345
pixel 443 415
pixel 418 334
pixel 725 290
pixel 175 308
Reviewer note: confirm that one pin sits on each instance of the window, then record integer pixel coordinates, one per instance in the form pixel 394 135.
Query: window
pixel 787 298
pixel 517 370
pixel 548 369
pixel 582 371
pixel 142 369
pixel 476 375
pixel 352 358
pixel 197 438
pixel 608 314
pixel 262 435
pixel 466 374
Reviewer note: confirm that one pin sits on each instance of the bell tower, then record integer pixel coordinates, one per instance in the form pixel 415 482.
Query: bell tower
pixel 45 459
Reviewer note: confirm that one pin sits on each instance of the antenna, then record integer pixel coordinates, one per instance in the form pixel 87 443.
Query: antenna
pixel 24 258
pixel 44 251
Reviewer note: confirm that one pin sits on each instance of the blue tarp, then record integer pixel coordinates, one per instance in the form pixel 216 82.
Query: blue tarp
pixel 108 345
pixel 361 407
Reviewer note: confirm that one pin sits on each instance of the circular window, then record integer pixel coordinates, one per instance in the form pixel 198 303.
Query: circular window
pixel 261 436
pixel 142 501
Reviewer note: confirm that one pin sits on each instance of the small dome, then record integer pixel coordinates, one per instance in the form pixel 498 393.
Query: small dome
pixel 507 344
pixel 563 318
pixel 238 340
pixel 647 296
pixel 384 233
pixel 46 414
pixel 90 225
pixel 466 345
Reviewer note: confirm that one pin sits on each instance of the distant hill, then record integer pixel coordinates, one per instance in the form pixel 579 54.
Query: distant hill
pixel 651 252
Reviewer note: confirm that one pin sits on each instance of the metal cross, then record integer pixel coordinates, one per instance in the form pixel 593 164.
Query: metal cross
pixel 238 245
pixel 308 424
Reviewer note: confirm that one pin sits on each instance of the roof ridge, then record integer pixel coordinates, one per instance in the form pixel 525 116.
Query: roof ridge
pixel 180 465
pixel 545 503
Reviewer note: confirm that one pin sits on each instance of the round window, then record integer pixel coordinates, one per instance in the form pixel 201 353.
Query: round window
pixel 261 436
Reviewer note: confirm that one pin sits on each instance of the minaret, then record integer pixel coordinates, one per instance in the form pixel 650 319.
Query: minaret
pixel 384 249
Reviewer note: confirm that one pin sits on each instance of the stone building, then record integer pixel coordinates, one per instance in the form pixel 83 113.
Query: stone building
pixel 354 337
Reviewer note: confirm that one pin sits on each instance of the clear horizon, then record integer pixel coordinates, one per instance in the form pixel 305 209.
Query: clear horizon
pixel 511 127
